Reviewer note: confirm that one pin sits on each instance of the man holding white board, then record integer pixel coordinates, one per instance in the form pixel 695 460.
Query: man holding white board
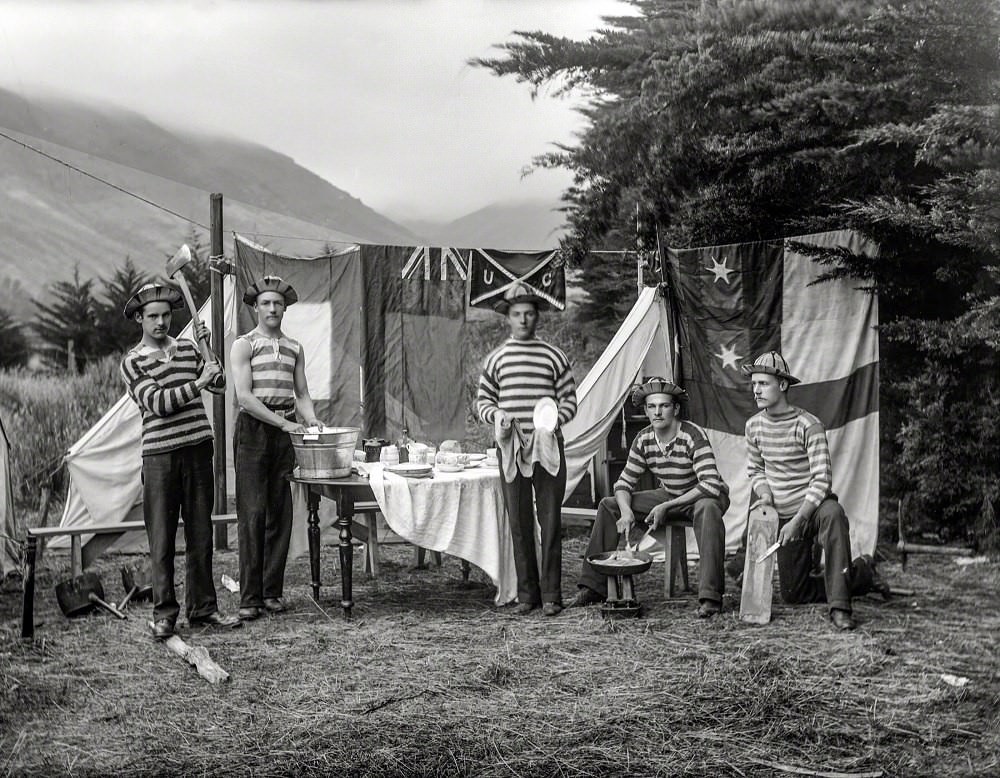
pixel 790 468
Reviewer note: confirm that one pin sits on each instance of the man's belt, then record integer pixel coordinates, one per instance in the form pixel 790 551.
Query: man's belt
pixel 281 409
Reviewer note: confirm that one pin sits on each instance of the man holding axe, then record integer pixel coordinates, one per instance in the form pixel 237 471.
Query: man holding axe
pixel 678 454
pixel 790 469
pixel 269 373
pixel 165 378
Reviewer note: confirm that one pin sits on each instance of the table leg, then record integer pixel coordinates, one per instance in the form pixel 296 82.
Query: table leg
pixel 312 500
pixel 28 589
pixel 345 509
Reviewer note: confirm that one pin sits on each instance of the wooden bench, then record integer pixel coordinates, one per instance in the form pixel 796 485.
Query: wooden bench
pixel 81 556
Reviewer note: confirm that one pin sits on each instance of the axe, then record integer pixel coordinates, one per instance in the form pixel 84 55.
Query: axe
pixel 175 266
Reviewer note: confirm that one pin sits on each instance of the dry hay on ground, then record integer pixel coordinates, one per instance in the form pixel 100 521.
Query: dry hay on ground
pixel 430 679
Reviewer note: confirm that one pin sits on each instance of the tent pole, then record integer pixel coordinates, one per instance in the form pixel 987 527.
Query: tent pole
pixel 218 400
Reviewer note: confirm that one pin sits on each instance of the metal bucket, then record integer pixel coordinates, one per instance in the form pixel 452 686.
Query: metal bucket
pixel 327 454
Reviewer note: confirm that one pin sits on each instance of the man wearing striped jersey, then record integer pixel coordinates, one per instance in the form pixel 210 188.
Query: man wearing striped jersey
pixel 165 378
pixel 269 375
pixel 515 377
pixel 678 454
pixel 790 468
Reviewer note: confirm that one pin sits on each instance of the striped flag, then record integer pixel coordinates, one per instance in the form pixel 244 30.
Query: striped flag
pixel 397 312
pixel 734 302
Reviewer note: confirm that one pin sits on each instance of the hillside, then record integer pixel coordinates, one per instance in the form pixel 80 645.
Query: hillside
pixel 522 225
pixel 52 217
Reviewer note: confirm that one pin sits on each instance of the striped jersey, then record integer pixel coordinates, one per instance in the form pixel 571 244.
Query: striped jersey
pixel 789 453
pixel 518 374
pixel 272 369
pixel 688 461
pixel 162 384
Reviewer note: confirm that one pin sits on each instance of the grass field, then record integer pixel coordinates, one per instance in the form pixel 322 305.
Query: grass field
pixel 429 678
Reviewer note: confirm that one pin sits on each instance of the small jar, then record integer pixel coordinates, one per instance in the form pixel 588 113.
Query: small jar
pixel 389 455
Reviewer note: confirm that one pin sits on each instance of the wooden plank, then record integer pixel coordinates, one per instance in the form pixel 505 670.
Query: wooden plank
pixel 75 556
pixel 755 603
pixel 578 517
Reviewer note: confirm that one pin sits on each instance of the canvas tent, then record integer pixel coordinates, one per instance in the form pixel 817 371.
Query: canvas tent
pixel 713 322
pixel 358 302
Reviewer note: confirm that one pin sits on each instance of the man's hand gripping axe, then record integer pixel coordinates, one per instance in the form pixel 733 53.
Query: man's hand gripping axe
pixel 175 266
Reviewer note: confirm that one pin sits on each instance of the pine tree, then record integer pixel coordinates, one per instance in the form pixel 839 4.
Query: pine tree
pixel 14 348
pixel 117 333
pixel 72 316
pixel 738 121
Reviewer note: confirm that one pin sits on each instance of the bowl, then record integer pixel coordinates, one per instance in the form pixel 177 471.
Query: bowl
pixel 326 454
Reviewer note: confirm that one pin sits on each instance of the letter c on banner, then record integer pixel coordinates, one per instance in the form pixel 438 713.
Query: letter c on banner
pixel 487 277
pixel 547 278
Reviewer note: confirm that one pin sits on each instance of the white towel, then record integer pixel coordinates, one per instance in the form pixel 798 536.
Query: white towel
pixel 461 514
pixel 520 450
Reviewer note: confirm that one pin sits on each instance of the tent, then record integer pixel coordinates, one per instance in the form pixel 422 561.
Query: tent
pixel 9 529
pixel 380 327
pixel 827 331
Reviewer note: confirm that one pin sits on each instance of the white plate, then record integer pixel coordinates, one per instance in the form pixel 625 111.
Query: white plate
pixel 450 468
pixel 411 469
pixel 546 415
pixel 476 457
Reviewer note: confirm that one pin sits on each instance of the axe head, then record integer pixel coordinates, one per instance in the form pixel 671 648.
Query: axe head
pixel 178 260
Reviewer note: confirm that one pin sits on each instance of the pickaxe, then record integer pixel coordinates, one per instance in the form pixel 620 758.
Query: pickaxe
pixel 174 266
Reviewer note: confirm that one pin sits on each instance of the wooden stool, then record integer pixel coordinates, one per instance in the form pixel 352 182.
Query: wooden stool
pixel 675 556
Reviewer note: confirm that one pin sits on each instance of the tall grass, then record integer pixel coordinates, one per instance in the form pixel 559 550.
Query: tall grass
pixel 45 413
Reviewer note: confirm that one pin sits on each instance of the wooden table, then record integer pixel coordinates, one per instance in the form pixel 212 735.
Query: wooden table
pixel 346 492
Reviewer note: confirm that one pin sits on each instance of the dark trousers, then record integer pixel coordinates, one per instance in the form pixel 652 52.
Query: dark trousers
pixel 264 459
pixel 842 578
pixel 548 495
pixel 709 531
pixel 180 483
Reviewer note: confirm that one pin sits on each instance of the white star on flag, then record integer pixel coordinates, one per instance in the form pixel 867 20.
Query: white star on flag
pixel 719 270
pixel 729 357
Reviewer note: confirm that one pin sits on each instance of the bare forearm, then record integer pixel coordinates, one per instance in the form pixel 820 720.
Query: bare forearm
pixel 258 410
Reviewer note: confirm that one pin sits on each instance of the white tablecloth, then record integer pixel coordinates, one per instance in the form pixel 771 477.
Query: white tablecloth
pixel 461 514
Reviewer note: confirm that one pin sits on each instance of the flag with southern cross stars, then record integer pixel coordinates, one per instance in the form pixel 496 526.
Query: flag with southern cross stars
pixel 737 301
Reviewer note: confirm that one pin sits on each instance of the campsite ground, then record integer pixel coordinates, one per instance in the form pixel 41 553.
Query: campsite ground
pixel 430 678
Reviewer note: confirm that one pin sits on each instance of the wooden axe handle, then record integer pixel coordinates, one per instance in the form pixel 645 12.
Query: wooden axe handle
pixel 206 349
pixel 106 605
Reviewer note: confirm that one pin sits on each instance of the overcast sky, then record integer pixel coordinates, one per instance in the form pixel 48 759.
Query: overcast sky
pixel 373 95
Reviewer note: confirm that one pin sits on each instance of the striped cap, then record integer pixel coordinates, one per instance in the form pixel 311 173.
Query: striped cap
pixel 518 293
pixel 656 385
pixel 772 363
pixel 152 293
pixel 270 284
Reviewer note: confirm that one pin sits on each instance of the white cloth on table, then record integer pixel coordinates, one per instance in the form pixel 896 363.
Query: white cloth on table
pixel 461 514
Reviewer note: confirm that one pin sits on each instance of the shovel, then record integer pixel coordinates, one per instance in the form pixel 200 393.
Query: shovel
pixel 79 595
pixel 137 584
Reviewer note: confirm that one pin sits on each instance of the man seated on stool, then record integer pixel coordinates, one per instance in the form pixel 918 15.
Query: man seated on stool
pixel 790 469
pixel 679 455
